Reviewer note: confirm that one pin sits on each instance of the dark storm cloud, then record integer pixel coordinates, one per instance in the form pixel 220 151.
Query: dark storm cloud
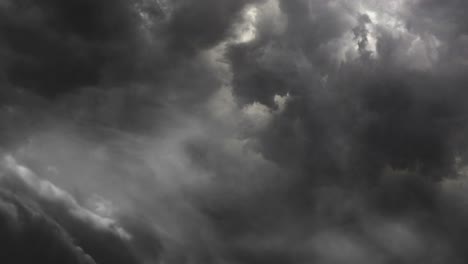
pixel 407 116
pixel 113 64
pixel 202 24
pixel 52 47
pixel 275 64
pixel 334 132
pixel 28 236
pixel 346 123
pixel 37 213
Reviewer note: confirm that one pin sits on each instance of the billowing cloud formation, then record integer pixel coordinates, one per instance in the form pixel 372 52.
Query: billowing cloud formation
pixel 38 213
pixel 273 131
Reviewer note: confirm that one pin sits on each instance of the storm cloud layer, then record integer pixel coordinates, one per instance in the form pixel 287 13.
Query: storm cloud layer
pixel 233 131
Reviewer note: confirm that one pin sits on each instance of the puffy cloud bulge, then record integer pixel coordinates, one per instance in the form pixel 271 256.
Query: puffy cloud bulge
pixel 233 131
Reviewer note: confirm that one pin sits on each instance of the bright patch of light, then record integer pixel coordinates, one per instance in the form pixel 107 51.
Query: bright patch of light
pixel 372 45
pixel 281 101
pixel 371 14
pixel 385 14
pixel 101 206
pixel 248 31
pixel 382 15
pixel 258 114
pixel 418 51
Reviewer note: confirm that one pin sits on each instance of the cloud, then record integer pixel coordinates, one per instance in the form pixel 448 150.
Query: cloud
pixel 279 131
pixel 84 231
pixel 49 48
pixel 30 236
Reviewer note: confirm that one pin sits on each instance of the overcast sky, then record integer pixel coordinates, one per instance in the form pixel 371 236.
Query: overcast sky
pixel 233 131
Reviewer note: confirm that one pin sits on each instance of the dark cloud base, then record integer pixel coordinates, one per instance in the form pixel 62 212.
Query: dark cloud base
pixel 28 236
